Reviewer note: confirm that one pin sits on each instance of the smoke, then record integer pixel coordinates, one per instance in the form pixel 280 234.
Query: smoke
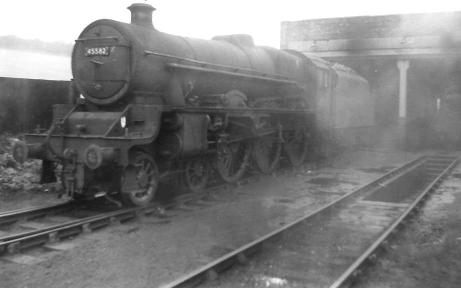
pixel 433 78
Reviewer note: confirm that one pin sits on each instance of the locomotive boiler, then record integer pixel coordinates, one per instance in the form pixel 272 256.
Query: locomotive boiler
pixel 148 106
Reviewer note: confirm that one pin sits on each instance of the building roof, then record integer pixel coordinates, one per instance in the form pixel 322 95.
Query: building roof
pixel 376 36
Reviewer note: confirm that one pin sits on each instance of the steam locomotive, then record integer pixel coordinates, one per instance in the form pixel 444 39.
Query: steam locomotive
pixel 148 106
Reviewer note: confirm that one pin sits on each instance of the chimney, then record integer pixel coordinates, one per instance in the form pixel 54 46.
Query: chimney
pixel 141 14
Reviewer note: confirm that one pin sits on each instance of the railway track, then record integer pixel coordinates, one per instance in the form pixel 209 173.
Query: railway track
pixel 24 228
pixel 37 226
pixel 331 246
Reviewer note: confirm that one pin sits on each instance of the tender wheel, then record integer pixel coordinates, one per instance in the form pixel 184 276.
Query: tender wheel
pixel 196 174
pixel 232 160
pixel 296 147
pixel 139 180
pixel 266 153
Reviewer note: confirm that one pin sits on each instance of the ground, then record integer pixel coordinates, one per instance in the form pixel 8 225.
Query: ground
pixel 428 251
pixel 19 184
pixel 154 251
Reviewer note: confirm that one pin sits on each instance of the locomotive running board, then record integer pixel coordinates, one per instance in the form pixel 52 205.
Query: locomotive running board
pixel 204 67
pixel 228 73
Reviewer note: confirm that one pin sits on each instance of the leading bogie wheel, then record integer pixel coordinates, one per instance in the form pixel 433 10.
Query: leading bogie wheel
pixel 140 179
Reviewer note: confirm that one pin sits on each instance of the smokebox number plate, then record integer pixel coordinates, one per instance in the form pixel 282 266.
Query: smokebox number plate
pixel 97 51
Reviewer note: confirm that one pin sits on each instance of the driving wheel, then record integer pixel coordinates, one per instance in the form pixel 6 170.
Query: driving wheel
pixel 296 147
pixel 266 153
pixel 232 160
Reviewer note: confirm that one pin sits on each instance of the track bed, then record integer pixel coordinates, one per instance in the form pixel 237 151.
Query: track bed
pixel 329 247
pixel 154 251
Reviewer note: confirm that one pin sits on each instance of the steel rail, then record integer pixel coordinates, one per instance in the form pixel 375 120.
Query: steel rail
pixel 240 254
pixel 16 242
pixel 9 217
pixel 20 210
pixel 370 253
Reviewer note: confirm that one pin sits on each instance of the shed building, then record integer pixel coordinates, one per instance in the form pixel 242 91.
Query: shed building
pixel 413 63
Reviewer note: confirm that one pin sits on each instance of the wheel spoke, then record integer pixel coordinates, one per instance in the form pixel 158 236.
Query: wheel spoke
pixel 228 162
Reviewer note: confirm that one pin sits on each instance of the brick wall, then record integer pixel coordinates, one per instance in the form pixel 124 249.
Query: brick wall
pixel 373 26
pixel 368 27
pixel 26 103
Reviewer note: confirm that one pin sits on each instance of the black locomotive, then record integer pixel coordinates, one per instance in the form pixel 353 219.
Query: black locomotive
pixel 150 105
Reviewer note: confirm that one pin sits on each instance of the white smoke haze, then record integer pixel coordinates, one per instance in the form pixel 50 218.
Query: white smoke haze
pixel 30 65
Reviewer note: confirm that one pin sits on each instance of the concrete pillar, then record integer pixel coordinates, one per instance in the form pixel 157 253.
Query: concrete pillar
pixel 403 66
pixel 402 133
